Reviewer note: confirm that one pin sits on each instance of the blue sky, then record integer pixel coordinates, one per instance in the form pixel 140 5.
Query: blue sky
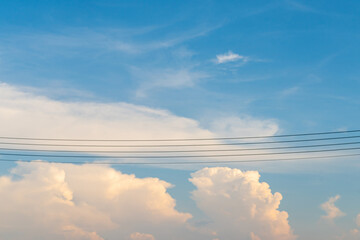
pixel 269 66
pixel 299 54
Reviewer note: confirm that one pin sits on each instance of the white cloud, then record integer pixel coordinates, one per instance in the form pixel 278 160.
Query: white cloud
pixel 254 237
pixel 73 232
pixel 63 201
pixel 240 207
pixel 123 40
pixel 289 91
pixel 92 202
pixel 168 78
pixel 141 236
pixel 230 57
pixel 27 114
pixel 299 6
pixel 331 210
pixel 243 126
pixel 352 234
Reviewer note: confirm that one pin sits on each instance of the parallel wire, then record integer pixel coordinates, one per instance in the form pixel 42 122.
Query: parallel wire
pixel 182 139
pixel 180 156
pixel 183 151
pixel 185 163
pixel 182 145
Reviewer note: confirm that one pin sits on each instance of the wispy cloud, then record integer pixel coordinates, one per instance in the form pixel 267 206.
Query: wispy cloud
pixel 299 6
pixel 245 126
pixel 168 78
pixel 302 7
pixel 130 41
pixel 230 57
pixel 289 91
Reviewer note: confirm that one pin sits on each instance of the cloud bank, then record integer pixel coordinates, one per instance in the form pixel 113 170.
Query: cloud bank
pixel 92 202
pixel 26 114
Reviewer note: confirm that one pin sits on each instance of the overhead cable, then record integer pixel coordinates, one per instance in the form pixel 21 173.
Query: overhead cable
pixel 181 145
pixel 181 151
pixel 182 139
pixel 185 162
pixel 180 156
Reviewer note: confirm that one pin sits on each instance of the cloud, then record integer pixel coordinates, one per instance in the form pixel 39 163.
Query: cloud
pixel 73 232
pixel 130 41
pixel 141 236
pixel 353 234
pixel 296 5
pixel 230 57
pixel 27 114
pixel 331 210
pixel 358 220
pixel 55 201
pixel 243 126
pixel 166 79
pixel 239 205
pixel 289 91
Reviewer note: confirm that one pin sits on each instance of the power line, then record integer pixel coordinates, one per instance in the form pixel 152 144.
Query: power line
pixel 181 139
pixel 185 163
pixel 183 151
pixel 182 145
pixel 180 156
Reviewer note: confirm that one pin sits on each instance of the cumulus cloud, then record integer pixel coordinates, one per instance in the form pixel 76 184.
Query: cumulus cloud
pixel 64 201
pixel 239 205
pixel 91 202
pixel 331 210
pixel 230 57
pixel 73 232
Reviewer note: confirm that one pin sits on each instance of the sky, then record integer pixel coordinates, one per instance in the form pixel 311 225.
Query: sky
pixel 179 69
